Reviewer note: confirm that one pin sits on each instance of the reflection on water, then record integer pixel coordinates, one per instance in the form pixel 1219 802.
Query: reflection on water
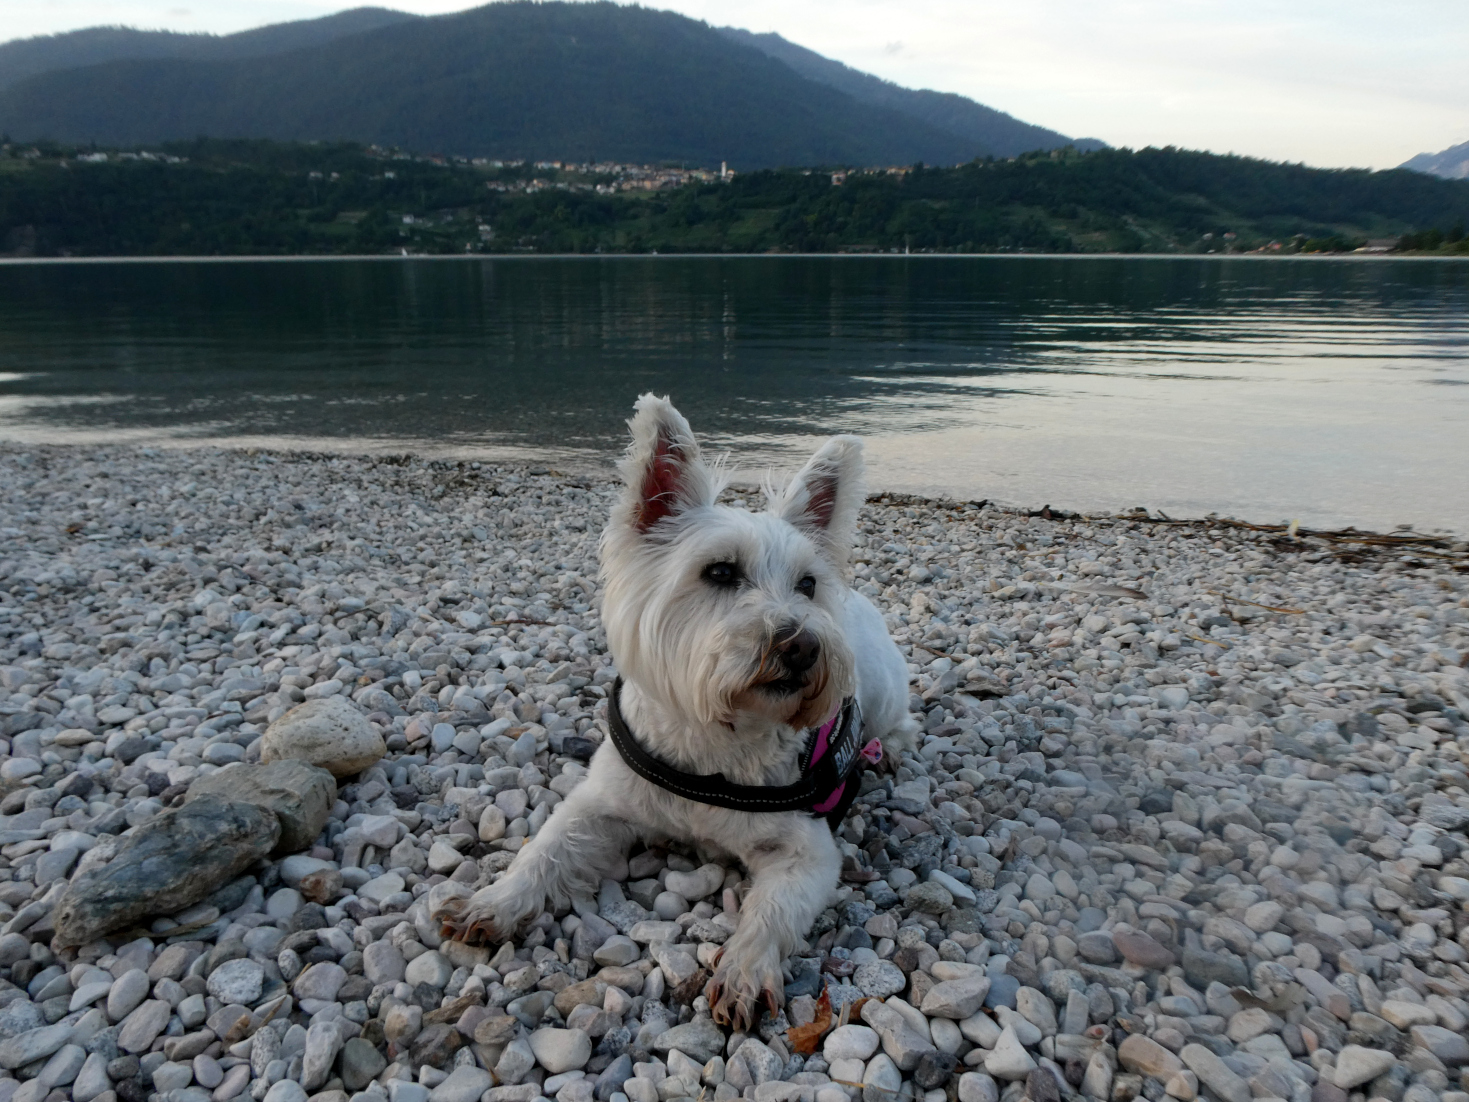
pixel 1329 391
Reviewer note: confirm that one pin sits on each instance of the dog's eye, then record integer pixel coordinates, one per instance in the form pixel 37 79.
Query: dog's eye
pixel 722 574
pixel 806 587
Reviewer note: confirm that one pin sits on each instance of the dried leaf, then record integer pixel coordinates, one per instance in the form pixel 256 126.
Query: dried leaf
pixel 803 1039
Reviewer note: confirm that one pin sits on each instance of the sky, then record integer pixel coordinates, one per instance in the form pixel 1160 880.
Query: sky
pixel 1331 83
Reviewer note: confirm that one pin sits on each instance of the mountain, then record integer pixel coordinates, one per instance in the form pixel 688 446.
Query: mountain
pixel 507 81
pixel 999 133
pixel 1452 163
pixel 26 57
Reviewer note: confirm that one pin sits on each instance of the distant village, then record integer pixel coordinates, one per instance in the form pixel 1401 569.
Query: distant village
pixel 600 177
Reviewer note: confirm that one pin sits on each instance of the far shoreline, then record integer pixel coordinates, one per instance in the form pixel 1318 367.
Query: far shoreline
pixel 1448 546
pixel 38 261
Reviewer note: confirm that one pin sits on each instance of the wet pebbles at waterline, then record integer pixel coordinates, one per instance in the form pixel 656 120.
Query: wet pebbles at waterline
pixel 1188 818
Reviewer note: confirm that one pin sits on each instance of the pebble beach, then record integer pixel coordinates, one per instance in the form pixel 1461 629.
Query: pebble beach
pixel 1187 820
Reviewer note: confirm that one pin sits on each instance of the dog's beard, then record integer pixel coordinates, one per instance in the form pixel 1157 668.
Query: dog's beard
pixel 799 700
pixel 796 699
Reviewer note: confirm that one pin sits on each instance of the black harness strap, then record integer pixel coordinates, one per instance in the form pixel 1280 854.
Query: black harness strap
pixel 715 789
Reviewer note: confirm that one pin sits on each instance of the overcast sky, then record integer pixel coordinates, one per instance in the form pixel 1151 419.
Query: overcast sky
pixel 1327 82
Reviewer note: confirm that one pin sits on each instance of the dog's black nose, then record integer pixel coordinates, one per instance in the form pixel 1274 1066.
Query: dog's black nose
pixel 799 652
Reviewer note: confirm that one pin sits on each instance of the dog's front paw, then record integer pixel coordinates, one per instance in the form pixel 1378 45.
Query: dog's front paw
pixel 740 984
pixel 477 920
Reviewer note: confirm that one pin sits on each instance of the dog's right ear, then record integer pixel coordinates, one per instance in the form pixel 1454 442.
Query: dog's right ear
pixel 662 470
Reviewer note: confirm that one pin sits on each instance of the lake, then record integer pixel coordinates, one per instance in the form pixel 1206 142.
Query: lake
pixel 1333 391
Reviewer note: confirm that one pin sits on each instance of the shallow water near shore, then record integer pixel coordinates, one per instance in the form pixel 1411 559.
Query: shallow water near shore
pixel 1329 391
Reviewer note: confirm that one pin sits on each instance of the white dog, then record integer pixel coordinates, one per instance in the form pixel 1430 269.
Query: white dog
pixel 741 646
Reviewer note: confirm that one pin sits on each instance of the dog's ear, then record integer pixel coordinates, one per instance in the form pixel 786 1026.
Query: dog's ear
pixel 823 499
pixel 662 470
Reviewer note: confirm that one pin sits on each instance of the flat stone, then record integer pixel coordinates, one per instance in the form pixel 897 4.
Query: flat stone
pixel 465 1084
pixel 899 1039
pixel 361 1063
pixel 617 951
pixel 92 1080
pixel 381 887
pixel 1147 1057
pixel 299 866
pixel 559 1050
pixel 698 1038
pixel 430 968
pixel 143 1025
pixel 850 1042
pixel 1037 1009
pixel 1449 1046
pixel 299 794
pixel 383 963
pixel 287 1090
pixel 956 999
pixel 323 1042
pixel 1215 1074
pixel 929 897
pixel 699 884
pixel 1248 1024
pixel 881 1079
pixel 1262 917
pixel 1405 1015
pixel 207 1072
pixel 33 1045
pixel 170 862
pixel 320 982
pixel 237 981
pixel 879 978
pixel 1002 991
pixel 1201 968
pixel 1141 949
pixel 975 1086
pixel 1356 1064
pixel 1096 947
pixel 128 990
pixel 330 733
pixel 1008 1059
pixel 171 1077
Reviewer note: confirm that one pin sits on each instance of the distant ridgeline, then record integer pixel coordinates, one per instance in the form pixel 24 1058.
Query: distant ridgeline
pixel 210 197
pixel 586 81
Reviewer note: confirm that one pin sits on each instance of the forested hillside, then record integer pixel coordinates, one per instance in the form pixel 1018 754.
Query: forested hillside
pixel 212 197
pixel 26 57
pixel 586 81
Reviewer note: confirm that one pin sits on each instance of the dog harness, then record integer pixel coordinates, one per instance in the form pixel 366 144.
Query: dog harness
pixel 830 761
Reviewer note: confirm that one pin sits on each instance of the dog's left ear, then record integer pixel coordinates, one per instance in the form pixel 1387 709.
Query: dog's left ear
pixel 663 471
pixel 823 499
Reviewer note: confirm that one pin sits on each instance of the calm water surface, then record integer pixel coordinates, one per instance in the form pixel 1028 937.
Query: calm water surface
pixel 1332 391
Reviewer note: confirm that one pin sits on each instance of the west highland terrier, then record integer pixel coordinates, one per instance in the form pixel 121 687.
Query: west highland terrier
pixel 748 668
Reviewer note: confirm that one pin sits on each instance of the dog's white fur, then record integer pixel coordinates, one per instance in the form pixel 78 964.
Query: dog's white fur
pixel 693 656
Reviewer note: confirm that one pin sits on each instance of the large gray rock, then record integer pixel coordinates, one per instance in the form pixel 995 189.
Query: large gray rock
pixel 1356 1064
pixel 699 1038
pixel 330 733
pixel 1450 1047
pixel 33 1045
pixel 956 999
pixel 559 1050
pixel 298 793
pixel 1215 1074
pixel 167 864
